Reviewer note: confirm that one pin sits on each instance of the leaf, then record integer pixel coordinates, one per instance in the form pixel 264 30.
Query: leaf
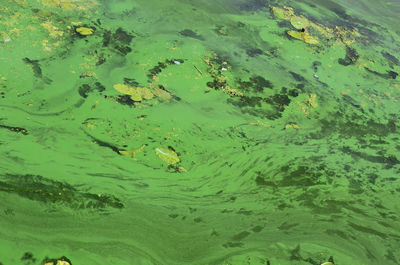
pixel 167 155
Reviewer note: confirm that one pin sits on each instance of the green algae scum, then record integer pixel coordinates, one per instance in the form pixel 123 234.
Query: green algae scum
pixel 225 132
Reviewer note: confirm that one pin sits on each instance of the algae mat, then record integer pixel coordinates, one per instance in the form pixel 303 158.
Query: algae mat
pixel 199 132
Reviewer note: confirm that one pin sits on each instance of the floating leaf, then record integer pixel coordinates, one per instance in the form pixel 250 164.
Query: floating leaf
pixel 84 31
pixel 299 22
pixel 167 155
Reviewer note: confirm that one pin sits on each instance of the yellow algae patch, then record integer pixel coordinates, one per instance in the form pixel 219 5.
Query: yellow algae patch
pixel 161 93
pixel 292 125
pixel 54 32
pixel 304 36
pixel 295 34
pixel 144 92
pixel 311 101
pixel 135 96
pixel 84 31
pixel 281 13
pixel 309 38
pixel 68 5
pixel 131 153
pixel 124 89
pixel 167 155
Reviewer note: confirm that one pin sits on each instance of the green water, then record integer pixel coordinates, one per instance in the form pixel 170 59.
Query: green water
pixel 199 132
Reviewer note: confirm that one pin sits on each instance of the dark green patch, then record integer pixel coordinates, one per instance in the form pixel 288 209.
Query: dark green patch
pixel 252 52
pixel 38 188
pixel 122 36
pixel 351 101
pixel 153 72
pixel 233 245
pixel 255 84
pixel 131 82
pixel 388 75
pixel 257 229
pixel 389 160
pixel 191 34
pixel 244 212
pixel 297 77
pixel 84 90
pixel 368 230
pixel 315 66
pixel 28 256
pixel 286 226
pixel 107 38
pixel 293 93
pixel 353 124
pixel 253 5
pixel 103 144
pixel 390 58
pixel 119 40
pixel 302 176
pixel 284 24
pixel 37 71
pixel 56 261
pixel 240 236
pixel 220 30
pixel 15 129
pixel 351 57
